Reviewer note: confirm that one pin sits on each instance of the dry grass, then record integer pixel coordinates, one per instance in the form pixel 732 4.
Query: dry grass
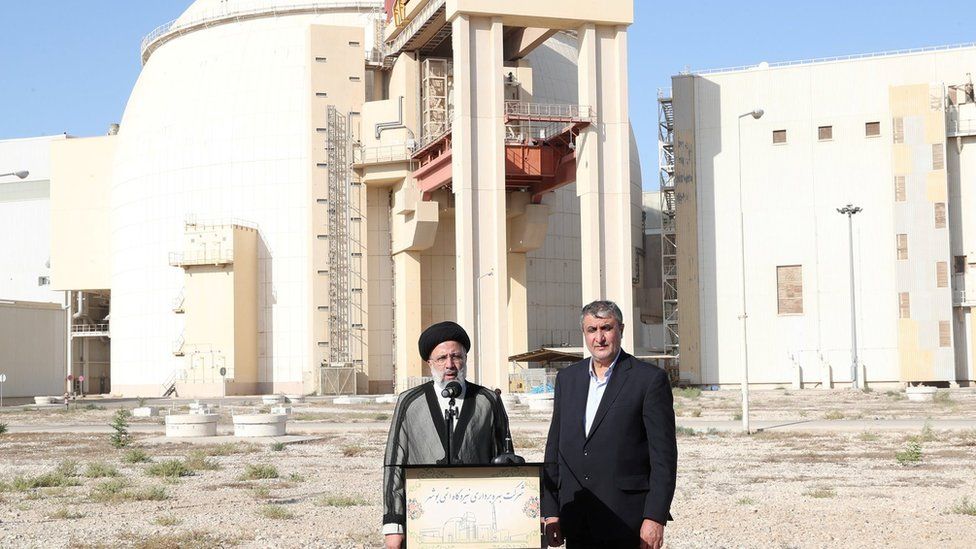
pixel 259 472
pixel 354 450
pixel 339 501
pixel 275 512
pixel 196 539
pixel 820 492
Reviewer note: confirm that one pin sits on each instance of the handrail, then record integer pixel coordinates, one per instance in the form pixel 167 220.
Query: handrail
pixel 177 259
pixel 563 111
pixel 833 58
pixel 213 17
pixel 89 328
pixel 381 154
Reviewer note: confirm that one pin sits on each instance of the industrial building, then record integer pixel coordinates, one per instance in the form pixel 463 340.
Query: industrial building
pixel 755 253
pixel 297 188
pixel 33 319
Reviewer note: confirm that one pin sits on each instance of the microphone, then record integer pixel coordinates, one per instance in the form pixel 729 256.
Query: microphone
pixel 451 390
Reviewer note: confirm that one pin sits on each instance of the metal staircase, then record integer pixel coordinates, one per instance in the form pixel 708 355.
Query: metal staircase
pixel 669 243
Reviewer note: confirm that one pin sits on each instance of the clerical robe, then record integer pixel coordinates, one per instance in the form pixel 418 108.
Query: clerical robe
pixel 418 436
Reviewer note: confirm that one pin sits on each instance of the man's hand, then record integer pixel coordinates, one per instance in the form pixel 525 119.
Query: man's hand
pixel 553 532
pixel 394 541
pixel 651 534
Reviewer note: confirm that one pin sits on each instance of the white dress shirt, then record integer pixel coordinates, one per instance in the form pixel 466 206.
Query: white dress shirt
pixel 595 393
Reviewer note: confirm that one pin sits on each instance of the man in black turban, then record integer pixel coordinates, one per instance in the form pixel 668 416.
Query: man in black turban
pixel 419 431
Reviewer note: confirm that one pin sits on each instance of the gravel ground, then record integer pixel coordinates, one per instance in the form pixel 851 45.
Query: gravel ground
pixel 772 489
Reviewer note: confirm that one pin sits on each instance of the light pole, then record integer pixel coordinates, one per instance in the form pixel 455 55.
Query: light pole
pixel 478 322
pixel 755 114
pixel 849 210
pixel 21 174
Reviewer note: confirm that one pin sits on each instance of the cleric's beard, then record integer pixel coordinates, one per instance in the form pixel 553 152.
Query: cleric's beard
pixel 439 376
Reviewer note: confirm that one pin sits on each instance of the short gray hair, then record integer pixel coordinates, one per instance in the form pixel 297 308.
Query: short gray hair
pixel 602 309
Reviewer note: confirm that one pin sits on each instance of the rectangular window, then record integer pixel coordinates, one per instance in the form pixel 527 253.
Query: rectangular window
pixel 902 240
pixel 959 264
pixel 779 137
pixel 354 44
pixel 899 188
pixel 321 59
pixel 898 130
pixel 321 94
pixel 825 133
pixel 354 79
pixel 938 156
pixel 872 129
pixel 904 306
pixel 43 281
pixel 945 333
pixel 789 289
pixel 942 274
pixel 940 215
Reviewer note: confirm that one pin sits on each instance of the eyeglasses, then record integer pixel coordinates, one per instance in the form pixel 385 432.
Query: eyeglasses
pixel 443 359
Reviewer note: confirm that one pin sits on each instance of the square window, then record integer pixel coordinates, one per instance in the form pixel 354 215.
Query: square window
pixel 825 133
pixel 940 215
pixel 902 240
pixel 789 289
pixel 959 264
pixel 898 130
pixel 945 333
pixel 899 188
pixel 872 129
pixel 779 137
pixel 938 156
pixel 942 274
pixel 904 305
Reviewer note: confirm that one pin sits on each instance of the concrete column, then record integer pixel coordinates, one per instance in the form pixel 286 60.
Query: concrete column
pixel 603 172
pixel 518 304
pixel 406 266
pixel 478 172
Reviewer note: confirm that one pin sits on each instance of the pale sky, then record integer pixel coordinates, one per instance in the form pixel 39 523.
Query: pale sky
pixel 69 65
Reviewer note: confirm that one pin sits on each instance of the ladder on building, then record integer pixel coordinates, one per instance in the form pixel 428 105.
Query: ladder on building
pixel 669 244
pixel 337 145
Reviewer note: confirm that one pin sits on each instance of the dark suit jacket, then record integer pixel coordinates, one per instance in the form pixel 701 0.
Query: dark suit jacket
pixel 602 486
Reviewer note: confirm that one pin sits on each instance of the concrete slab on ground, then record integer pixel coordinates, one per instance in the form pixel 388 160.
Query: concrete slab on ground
pixel 222 439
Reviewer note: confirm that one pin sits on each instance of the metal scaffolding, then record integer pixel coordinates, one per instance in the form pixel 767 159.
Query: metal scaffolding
pixel 437 82
pixel 336 146
pixel 669 247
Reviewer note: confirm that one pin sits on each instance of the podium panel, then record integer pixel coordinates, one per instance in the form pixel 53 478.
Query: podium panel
pixel 451 507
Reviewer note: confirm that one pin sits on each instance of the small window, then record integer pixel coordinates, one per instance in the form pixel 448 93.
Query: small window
pixel 825 133
pixel 354 44
pixel 902 246
pixel 938 156
pixel 779 137
pixel 945 333
pixel 942 274
pixel 321 59
pixel 898 130
pixel 904 305
pixel 354 79
pixel 959 264
pixel 940 215
pixel 43 281
pixel 321 94
pixel 789 289
pixel 899 188
pixel 872 129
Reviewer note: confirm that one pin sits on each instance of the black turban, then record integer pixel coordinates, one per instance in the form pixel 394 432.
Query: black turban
pixel 439 333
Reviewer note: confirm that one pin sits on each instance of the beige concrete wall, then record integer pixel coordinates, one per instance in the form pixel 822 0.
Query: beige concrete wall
pixel 552 14
pixel 336 77
pixel 32 348
pixel 380 361
pixel 920 355
pixel 686 226
pixel 81 175
pixel 221 313
pixel 245 364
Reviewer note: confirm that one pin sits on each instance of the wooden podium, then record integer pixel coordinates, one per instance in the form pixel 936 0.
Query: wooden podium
pixel 477 506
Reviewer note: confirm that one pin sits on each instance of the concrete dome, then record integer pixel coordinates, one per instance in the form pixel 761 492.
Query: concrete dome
pixel 217 127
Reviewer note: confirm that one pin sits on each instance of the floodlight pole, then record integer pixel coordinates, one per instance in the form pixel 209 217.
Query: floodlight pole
pixel 755 114
pixel 850 210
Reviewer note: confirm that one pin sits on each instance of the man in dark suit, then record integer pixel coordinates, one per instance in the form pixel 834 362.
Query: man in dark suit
pixel 611 454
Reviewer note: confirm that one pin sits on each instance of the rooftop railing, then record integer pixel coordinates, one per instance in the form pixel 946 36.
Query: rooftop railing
pixel 210 18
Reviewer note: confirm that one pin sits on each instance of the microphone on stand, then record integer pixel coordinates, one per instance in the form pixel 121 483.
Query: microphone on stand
pixel 452 390
pixel 507 457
